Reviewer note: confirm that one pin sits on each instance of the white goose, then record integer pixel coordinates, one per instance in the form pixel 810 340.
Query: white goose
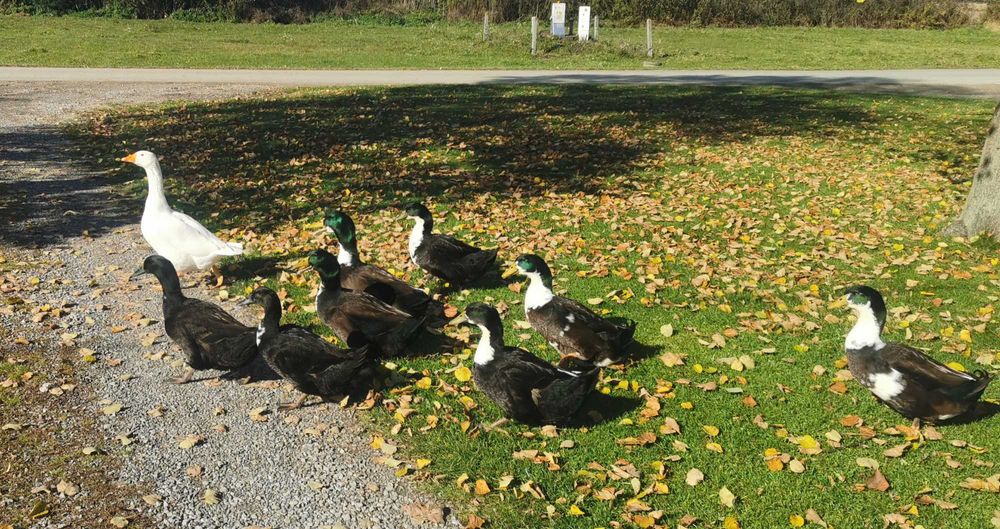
pixel 172 234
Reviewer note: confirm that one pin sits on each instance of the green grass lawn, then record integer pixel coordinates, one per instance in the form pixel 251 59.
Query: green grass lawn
pixel 733 215
pixel 72 41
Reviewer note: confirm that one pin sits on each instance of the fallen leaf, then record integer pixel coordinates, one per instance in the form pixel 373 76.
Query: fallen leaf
pixel 877 482
pixel 726 497
pixel 694 477
pixel 210 497
pixel 421 513
pixel 190 441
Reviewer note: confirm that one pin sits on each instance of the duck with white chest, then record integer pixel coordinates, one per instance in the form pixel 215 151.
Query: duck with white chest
pixel 905 379
pixel 313 365
pixel 571 328
pixel 443 256
pixel 527 388
pixel 365 277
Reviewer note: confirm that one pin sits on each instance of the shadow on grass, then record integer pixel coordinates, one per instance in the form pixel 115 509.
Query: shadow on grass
pixel 247 268
pixel 600 408
pixel 260 162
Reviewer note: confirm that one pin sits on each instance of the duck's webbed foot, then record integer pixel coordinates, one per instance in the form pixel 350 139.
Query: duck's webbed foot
pixel 496 424
pixel 295 404
pixel 183 378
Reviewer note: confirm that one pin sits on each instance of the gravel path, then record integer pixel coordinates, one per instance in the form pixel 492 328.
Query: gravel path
pixel 311 468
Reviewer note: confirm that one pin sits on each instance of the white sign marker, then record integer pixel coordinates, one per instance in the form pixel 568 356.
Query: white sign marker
pixel 583 23
pixel 558 19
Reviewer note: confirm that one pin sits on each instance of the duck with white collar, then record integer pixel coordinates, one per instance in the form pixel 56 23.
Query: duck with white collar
pixel 347 312
pixel 209 336
pixel 570 327
pixel 313 365
pixel 365 277
pixel 527 388
pixel 443 256
pixel 187 244
pixel 905 379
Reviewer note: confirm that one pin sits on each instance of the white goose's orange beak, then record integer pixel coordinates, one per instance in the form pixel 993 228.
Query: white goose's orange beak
pixel 130 158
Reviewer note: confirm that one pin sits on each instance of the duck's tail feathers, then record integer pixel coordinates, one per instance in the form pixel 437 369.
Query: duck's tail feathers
pixel 232 248
pixel 983 380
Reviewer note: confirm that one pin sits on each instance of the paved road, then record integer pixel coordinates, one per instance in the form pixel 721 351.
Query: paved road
pixel 966 83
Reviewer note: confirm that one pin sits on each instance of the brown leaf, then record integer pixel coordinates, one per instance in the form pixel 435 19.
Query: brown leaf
pixel 474 522
pixel 877 482
pixel 421 513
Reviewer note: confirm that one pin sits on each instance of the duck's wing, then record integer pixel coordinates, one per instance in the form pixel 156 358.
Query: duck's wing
pixel 370 315
pixel 555 393
pixel 352 372
pixel 452 245
pixel 929 373
pixel 567 306
pixel 223 341
pixel 302 351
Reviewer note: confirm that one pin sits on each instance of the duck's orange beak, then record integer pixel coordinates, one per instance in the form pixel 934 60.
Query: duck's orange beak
pixel 130 158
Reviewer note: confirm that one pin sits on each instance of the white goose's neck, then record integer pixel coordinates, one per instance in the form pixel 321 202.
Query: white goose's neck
pixel 866 332
pixel 155 198
pixel 537 294
pixel 484 351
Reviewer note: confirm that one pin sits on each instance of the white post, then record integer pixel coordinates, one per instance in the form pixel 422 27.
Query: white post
pixel 597 25
pixel 534 35
pixel 649 38
pixel 583 23
pixel 486 26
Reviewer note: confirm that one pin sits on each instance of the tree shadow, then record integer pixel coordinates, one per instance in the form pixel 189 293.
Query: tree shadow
pixel 246 268
pixel 45 196
pixel 260 162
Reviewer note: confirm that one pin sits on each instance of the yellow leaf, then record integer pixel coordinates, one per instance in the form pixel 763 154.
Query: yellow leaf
pixel 575 511
pixel 956 366
pixel 965 335
pixel 463 374
pixel 715 447
pixel 421 463
pixel 730 523
pixel 643 521
pixel 796 520
pixel 712 431
pixel 424 383
pixel 482 488
pixel 807 442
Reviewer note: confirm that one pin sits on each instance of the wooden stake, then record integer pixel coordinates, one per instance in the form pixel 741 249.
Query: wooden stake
pixel 534 35
pixel 649 38
pixel 597 25
pixel 486 26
